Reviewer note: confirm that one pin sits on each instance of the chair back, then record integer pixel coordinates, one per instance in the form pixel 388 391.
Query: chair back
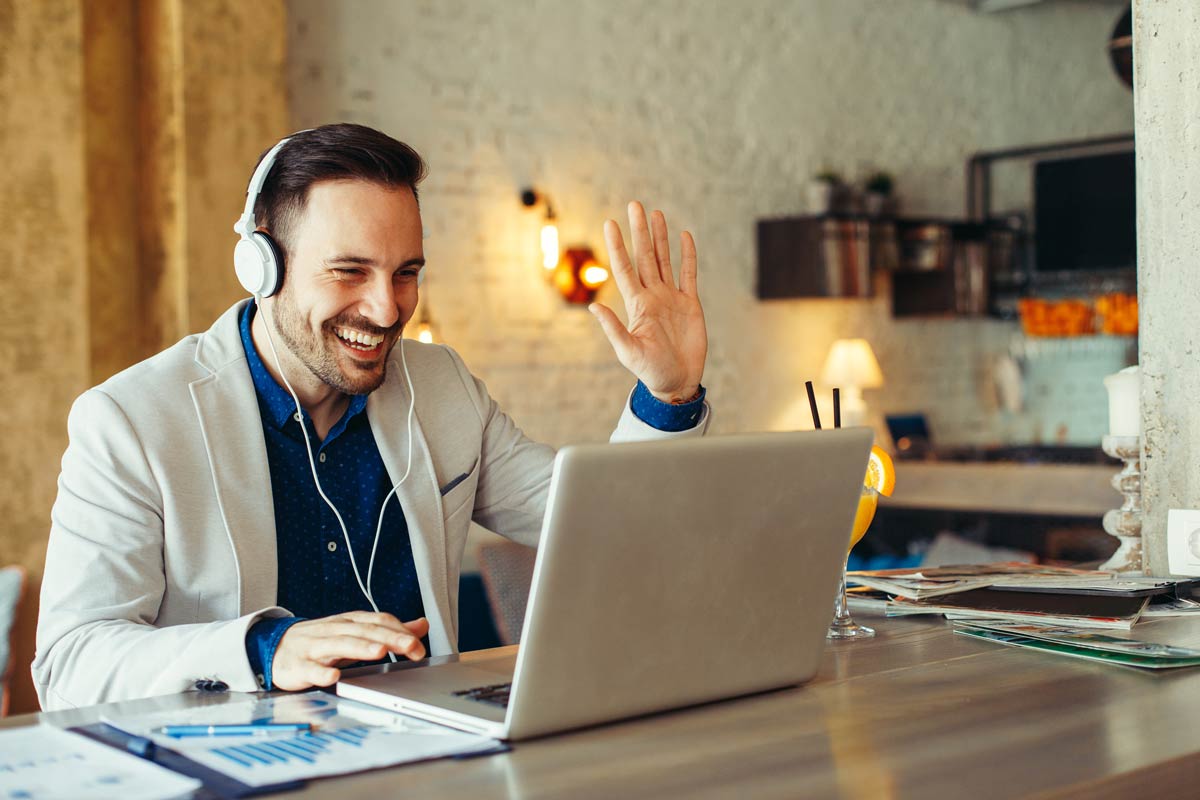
pixel 12 583
pixel 507 570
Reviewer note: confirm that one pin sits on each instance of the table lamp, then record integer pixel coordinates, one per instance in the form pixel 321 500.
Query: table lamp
pixel 852 367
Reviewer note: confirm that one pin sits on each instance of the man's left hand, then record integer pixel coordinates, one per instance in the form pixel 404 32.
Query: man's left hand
pixel 666 342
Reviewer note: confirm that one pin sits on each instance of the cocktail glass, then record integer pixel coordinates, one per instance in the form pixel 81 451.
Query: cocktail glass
pixel 843 627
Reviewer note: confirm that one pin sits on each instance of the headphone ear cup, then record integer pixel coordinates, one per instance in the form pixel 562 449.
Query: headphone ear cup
pixel 273 275
pixel 258 263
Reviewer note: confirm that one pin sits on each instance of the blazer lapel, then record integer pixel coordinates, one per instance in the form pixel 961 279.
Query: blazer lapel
pixel 387 410
pixel 227 409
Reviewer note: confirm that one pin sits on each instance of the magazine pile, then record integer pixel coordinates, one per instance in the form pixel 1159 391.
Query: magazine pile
pixel 1054 609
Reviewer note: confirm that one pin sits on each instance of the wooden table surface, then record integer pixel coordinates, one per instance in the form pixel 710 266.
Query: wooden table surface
pixel 916 712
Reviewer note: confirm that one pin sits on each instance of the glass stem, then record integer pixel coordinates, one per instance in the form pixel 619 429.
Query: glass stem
pixel 841 611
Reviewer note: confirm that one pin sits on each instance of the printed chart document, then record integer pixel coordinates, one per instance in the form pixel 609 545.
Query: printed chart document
pixel 346 737
pixel 41 762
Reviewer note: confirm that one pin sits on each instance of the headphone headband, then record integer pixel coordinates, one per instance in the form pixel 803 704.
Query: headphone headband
pixel 246 223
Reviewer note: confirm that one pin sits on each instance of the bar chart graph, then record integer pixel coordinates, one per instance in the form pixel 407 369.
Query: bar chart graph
pixel 307 748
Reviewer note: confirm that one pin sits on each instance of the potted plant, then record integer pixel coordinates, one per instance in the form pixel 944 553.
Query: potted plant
pixel 822 191
pixel 878 192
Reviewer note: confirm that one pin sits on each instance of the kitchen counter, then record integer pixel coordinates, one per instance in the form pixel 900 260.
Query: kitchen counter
pixel 1069 490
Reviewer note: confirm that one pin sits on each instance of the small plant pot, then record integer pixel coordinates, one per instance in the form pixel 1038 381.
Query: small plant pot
pixel 875 203
pixel 820 197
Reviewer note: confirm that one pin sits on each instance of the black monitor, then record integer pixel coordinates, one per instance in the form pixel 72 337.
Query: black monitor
pixel 1085 213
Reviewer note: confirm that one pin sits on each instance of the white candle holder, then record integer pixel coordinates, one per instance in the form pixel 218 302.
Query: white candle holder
pixel 1125 522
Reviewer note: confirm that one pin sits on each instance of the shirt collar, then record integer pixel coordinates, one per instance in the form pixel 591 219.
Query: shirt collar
pixel 275 401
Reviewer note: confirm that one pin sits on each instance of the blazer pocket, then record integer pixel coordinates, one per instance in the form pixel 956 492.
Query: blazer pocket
pixel 445 490
pixel 451 499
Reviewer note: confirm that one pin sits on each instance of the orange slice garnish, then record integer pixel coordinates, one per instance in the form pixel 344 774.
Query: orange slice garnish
pixel 881 472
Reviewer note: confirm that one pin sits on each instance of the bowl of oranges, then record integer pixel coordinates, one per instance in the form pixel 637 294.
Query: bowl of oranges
pixel 1114 313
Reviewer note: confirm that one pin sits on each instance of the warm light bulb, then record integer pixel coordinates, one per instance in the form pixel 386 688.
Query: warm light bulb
pixel 549 245
pixel 424 332
pixel 593 276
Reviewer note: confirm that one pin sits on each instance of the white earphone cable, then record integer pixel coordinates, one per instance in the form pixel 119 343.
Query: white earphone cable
pixel 412 404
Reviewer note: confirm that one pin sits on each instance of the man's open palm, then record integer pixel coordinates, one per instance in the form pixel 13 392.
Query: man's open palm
pixel 666 342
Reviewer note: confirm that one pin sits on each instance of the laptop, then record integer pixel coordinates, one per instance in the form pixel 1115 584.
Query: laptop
pixel 669 574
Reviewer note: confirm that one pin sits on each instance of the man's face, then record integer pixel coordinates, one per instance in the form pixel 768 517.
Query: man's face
pixel 351 281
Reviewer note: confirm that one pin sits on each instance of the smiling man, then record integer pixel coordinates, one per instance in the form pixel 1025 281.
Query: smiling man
pixel 290 492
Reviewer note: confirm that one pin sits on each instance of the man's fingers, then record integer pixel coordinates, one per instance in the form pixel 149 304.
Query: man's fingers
pixel 662 247
pixel 643 245
pixel 419 627
pixel 687 264
pixel 369 617
pixel 395 636
pixel 331 649
pixel 618 337
pixel 318 675
pixel 623 272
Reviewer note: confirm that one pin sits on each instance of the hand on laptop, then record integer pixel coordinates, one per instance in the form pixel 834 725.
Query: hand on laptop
pixel 310 652
pixel 666 341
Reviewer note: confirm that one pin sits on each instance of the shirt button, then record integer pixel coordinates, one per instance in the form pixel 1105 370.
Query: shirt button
pixel 296 416
pixel 321 458
pixel 331 546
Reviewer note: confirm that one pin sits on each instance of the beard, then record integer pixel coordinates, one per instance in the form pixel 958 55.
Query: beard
pixel 322 356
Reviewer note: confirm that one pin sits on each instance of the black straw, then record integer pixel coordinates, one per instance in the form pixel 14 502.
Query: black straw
pixel 812 403
pixel 837 407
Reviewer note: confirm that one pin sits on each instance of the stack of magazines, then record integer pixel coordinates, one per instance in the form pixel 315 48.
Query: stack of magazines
pixel 1050 609
pixel 1028 593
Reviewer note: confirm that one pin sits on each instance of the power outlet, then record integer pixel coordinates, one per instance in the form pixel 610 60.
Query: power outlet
pixel 1183 541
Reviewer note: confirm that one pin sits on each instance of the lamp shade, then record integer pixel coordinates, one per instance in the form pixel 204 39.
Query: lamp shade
pixel 851 362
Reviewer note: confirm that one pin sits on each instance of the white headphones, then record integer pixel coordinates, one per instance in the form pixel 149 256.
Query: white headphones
pixel 258 262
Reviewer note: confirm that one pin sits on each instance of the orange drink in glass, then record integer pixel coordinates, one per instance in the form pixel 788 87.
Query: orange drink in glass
pixel 868 501
pixel 880 479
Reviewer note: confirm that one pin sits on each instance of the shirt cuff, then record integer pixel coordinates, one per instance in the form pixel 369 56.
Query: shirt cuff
pixel 665 416
pixel 261 641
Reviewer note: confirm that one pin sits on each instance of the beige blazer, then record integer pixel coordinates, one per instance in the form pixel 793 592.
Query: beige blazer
pixel 162 545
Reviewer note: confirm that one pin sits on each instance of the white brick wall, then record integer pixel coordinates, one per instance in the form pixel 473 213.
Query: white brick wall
pixel 717 112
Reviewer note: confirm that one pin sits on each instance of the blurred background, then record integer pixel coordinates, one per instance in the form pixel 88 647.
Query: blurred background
pixel 131 128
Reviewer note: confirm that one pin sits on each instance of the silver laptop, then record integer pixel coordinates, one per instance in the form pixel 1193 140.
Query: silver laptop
pixel 669 574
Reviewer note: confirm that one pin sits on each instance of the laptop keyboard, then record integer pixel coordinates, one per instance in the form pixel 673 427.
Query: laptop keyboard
pixel 496 695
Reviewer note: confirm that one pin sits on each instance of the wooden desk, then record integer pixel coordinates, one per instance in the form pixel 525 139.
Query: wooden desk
pixel 916 712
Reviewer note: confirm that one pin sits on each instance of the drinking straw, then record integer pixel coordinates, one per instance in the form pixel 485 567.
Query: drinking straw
pixel 837 407
pixel 812 404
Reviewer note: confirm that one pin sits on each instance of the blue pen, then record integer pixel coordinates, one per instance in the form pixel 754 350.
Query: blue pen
pixel 259 729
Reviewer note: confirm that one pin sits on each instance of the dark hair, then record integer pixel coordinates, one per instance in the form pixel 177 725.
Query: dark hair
pixel 331 152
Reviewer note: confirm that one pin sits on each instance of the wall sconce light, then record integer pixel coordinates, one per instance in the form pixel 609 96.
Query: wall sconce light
pixel 574 272
pixel 425 331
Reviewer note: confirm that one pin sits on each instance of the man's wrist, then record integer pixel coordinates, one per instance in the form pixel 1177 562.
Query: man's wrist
pixel 669 417
pixel 262 640
pixel 688 395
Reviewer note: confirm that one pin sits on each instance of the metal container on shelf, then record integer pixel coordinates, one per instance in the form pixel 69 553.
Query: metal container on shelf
pixel 925 247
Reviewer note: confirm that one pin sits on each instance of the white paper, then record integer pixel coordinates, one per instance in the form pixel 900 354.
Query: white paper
pixel 347 737
pixel 41 762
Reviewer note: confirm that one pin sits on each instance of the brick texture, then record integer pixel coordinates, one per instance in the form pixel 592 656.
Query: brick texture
pixel 717 113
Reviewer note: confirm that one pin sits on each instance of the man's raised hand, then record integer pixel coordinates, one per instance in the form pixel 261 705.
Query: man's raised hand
pixel 666 342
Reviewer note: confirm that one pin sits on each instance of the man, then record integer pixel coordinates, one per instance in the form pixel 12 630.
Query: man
pixel 225 512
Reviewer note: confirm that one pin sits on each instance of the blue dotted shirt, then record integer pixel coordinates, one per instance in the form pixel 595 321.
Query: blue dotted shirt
pixel 315 577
